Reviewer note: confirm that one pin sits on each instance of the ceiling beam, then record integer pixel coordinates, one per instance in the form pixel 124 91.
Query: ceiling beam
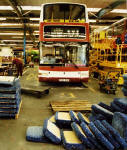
pixel 109 8
pixel 17 8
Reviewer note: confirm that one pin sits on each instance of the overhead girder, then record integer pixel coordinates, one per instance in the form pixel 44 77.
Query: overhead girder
pixel 19 13
pixel 109 8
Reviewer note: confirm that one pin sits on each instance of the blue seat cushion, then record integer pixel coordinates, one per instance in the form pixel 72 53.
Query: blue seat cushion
pixel 81 135
pixel 100 110
pixel 119 122
pixel 121 102
pixel 63 119
pixel 116 107
pixel 70 141
pixel 83 118
pixel 52 132
pixel 124 90
pixel 35 134
pixel 74 117
pixel 90 135
pixel 106 133
pixel 100 137
pixel 105 106
pixel 115 134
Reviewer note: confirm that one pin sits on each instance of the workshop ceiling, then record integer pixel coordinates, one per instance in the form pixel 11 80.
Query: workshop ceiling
pixel 12 26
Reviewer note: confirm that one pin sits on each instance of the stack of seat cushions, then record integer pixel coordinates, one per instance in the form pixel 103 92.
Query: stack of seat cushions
pixel 51 131
pixel 74 117
pixel 71 141
pixel 100 110
pixel 80 134
pixel 119 122
pixel 124 89
pixel 100 137
pixel 106 133
pixel 90 135
pixel 10 96
pixel 35 134
pixel 119 105
pixel 63 119
pixel 83 118
pixel 115 134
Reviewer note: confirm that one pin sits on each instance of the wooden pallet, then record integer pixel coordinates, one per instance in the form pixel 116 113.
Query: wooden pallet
pixel 75 105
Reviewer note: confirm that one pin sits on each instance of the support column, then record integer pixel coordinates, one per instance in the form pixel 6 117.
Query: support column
pixel 24 44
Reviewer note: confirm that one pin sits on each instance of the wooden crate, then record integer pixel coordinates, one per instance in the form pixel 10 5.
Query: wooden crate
pixel 75 105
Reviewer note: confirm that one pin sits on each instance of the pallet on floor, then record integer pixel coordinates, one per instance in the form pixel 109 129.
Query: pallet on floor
pixel 75 105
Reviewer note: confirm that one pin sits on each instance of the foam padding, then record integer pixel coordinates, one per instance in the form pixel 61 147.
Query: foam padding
pixel 74 117
pixel 71 141
pixel 106 133
pixel 98 116
pixel 90 135
pixel 52 119
pixel 52 132
pixel 35 134
pixel 121 102
pixel 80 134
pixel 100 110
pixel 119 122
pixel 63 119
pixel 115 134
pixel 116 107
pixel 100 136
pixel 83 118
pixel 105 106
pixel 124 90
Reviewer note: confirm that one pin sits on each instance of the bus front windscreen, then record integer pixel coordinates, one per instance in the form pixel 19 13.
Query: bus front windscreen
pixel 69 12
pixel 59 54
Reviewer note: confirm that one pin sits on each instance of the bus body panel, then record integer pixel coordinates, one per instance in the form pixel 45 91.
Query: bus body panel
pixel 63 74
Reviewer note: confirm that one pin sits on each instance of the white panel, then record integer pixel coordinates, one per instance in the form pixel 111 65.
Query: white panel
pixel 61 74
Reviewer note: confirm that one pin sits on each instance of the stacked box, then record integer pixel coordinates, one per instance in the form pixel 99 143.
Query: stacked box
pixel 10 96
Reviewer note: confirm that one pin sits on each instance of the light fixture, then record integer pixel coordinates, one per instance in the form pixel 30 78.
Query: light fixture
pixel 35 19
pixel 31 7
pixel 6 8
pixel 2 18
pixel 92 20
pixel 120 11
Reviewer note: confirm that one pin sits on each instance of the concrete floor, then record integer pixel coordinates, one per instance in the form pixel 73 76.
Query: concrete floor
pixel 34 110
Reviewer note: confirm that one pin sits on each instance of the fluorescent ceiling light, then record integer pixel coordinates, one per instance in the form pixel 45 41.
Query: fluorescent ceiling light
pixel 31 7
pixel 37 31
pixel 6 8
pixel 93 9
pixel 35 19
pixel 122 11
pixel 92 20
pixel 13 33
pixel 2 18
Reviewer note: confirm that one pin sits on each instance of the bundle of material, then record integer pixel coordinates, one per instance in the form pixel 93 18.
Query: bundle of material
pixel 124 88
pixel 101 112
pixel 83 134
pixel 10 96
pixel 119 105
pixel 119 122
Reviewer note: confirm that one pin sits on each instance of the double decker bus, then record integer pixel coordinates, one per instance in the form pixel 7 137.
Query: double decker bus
pixel 64 43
